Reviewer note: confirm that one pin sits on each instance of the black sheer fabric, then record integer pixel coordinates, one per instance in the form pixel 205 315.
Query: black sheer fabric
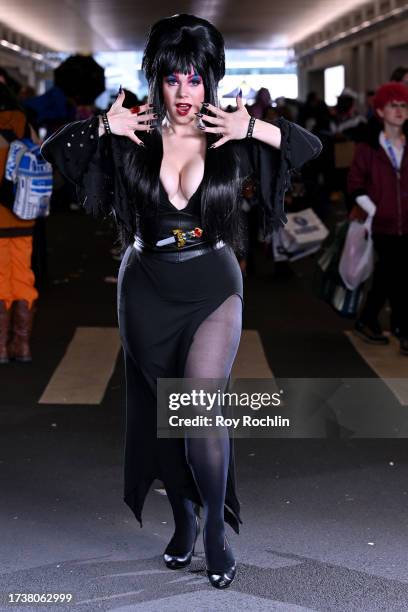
pixel 176 320
pixel 271 168
pixel 211 356
pixel 162 308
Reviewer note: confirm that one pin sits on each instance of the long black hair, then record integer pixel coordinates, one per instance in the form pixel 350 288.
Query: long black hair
pixel 175 44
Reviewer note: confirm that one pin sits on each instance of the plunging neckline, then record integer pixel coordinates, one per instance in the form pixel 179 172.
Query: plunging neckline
pixel 165 192
pixel 188 201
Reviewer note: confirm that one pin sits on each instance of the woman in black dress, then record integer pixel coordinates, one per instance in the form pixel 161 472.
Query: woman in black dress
pixel 171 172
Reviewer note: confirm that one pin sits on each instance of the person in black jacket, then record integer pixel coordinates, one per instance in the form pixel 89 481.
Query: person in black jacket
pixel 171 172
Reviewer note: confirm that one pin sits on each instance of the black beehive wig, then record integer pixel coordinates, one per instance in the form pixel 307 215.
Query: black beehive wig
pixel 176 44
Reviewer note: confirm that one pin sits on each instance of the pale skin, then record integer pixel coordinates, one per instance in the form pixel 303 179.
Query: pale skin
pixel 184 144
pixel 394 114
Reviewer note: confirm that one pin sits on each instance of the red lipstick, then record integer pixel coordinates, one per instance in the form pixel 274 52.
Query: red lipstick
pixel 183 108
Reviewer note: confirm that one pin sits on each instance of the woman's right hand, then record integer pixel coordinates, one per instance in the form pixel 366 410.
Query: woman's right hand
pixel 125 121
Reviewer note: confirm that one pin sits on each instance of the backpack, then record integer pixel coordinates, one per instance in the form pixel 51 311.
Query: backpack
pixel 31 175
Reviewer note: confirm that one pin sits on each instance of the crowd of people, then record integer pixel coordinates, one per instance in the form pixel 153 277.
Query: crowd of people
pixel 363 159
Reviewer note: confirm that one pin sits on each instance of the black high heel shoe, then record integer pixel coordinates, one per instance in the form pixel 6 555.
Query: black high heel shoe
pixel 223 579
pixel 178 561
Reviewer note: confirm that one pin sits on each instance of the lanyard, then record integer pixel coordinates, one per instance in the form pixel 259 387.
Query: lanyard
pixel 392 155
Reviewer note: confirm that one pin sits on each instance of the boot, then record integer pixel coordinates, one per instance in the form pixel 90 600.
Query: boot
pixel 4 331
pixel 22 321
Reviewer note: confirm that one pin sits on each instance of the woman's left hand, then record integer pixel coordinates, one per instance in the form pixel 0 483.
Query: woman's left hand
pixel 232 126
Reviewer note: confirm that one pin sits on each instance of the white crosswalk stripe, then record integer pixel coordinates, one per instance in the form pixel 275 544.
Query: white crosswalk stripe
pixel 86 368
pixel 387 363
pixel 83 374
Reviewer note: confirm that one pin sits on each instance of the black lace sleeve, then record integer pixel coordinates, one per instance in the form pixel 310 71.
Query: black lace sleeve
pixel 98 166
pixel 85 159
pixel 272 168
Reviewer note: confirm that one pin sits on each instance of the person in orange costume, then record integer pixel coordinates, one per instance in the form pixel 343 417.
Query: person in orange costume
pixel 17 291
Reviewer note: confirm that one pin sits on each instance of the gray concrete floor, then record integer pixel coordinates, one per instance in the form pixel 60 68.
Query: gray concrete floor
pixel 325 520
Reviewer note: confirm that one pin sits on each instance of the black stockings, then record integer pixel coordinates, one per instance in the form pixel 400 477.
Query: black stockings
pixel 211 355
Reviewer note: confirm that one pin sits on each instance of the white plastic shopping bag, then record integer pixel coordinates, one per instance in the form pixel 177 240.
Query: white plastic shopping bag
pixel 357 259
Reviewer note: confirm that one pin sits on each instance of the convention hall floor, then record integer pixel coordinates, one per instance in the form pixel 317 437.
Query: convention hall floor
pixel 324 518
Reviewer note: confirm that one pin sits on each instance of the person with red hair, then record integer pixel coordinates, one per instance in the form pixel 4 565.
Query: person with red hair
pixel 379 176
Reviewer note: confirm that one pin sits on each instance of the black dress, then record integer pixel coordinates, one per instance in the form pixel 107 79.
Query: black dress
pixel 160 306
pixel 161 303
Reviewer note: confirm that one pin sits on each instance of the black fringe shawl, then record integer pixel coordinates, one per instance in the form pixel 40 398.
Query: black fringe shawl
pixel 115 176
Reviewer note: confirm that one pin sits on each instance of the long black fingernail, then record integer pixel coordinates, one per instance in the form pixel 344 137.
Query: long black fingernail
pixel 199 114
pixel 206 104
pixel 120 89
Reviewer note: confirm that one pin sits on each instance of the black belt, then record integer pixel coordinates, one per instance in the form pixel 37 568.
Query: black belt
pixel 177 254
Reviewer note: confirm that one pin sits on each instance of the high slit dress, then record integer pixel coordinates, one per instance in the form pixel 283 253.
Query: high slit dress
pixel 162 303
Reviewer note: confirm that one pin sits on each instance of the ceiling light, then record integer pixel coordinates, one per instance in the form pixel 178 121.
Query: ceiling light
pixel 39 57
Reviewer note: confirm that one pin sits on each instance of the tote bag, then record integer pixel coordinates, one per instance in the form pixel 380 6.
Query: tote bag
pixel 357 258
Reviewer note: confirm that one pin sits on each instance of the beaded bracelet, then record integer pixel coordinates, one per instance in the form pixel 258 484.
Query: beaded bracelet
pixel 251 127
pixel 106 123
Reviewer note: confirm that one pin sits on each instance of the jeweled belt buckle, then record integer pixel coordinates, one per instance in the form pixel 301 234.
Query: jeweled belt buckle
pixel 180 236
